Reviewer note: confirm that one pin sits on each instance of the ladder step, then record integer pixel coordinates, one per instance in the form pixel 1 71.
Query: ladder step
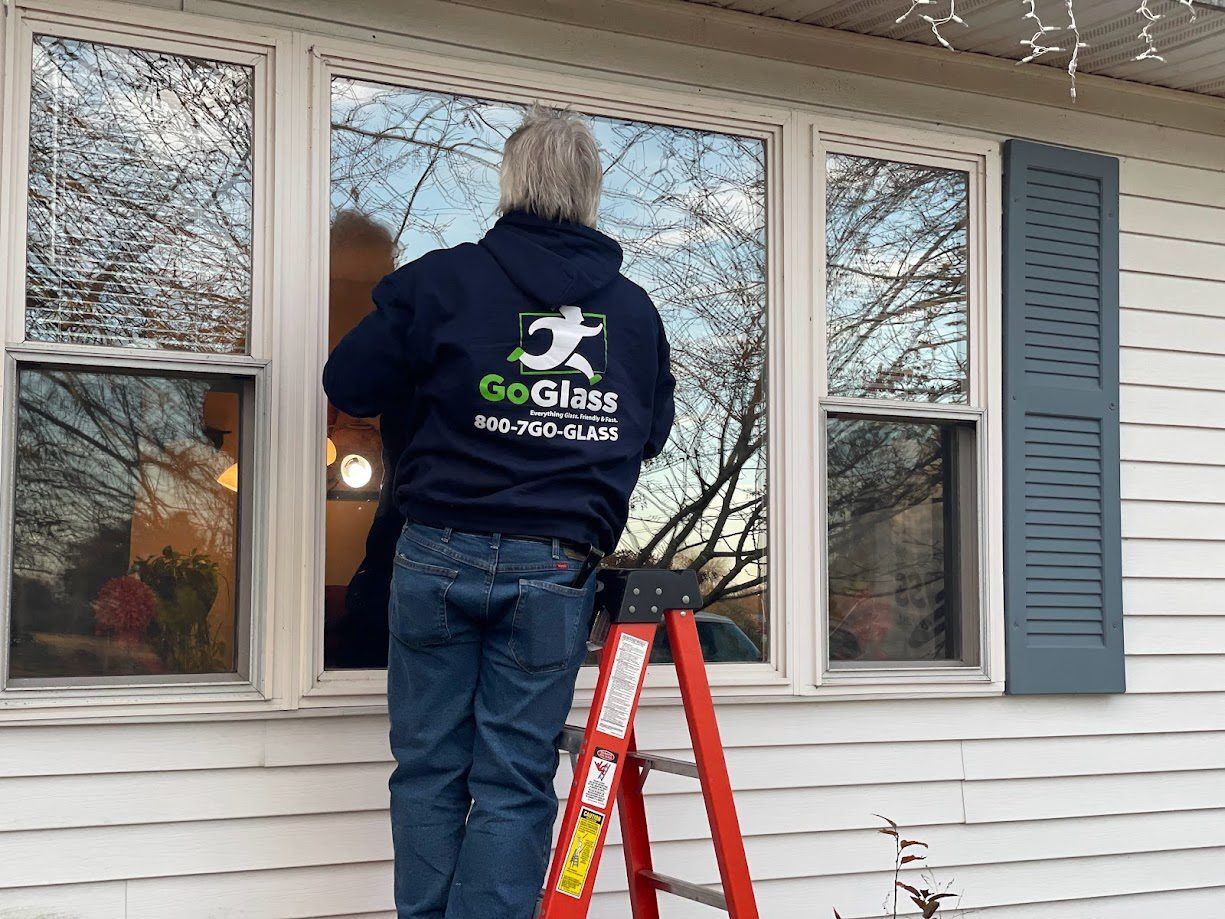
pixel 666 763
pixel 696 892
pixel 571 741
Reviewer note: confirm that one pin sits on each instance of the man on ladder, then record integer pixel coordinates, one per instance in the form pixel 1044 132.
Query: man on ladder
pixel 536 380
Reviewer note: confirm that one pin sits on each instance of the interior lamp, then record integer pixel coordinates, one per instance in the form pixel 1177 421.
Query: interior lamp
pixel 229 478
pixel 355 469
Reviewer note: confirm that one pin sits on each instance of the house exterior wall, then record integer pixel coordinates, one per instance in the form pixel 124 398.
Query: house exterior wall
pixel 1038 807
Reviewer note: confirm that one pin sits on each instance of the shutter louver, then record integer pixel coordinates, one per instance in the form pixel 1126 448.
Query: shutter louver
pixel 1062 538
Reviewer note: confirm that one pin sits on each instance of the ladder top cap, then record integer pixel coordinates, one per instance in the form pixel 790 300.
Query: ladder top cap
pixel 642 594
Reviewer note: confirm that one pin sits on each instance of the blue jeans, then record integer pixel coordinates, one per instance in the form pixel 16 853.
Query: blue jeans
pixel 487 636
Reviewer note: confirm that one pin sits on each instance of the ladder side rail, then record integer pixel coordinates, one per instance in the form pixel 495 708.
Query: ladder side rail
pixel 585 824
pixel 712 767
pixel 635 839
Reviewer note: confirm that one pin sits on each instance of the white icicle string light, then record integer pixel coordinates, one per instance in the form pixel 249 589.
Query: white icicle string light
pixel 1077 44
pixel 1146 34
pixel 934 21
pixel 1037 44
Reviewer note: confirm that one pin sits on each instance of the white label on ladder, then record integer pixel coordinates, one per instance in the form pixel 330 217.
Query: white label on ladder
pixel 627 666
pixel 598 787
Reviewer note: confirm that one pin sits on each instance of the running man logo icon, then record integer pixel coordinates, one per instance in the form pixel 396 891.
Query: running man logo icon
pixel 568 332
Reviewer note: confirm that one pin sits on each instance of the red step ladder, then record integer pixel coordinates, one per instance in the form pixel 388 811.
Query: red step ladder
pixel 609 767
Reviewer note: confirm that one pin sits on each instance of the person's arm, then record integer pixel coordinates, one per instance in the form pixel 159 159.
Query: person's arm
pixel 371 366
pixel 664 405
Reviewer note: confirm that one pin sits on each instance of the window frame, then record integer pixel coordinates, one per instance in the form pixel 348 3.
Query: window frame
pixel 777 127
pixel 980 159
pixel 251 685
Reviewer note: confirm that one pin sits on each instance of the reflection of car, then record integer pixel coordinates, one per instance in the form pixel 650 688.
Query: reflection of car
pixel 721 639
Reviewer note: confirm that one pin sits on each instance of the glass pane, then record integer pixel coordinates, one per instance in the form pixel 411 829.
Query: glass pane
pixel 126 529
pixel 414 170
pixel 900 553
pixel 139 228
pixel 897 268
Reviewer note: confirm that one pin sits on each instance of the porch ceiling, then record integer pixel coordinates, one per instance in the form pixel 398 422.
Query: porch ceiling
pixel 1194 50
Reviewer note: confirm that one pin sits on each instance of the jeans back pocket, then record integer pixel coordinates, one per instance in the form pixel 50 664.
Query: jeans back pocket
pixel 549 618
pixel 417 613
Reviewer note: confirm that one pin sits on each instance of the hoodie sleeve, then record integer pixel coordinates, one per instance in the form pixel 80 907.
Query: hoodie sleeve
pixel 372 365
pixel 664 406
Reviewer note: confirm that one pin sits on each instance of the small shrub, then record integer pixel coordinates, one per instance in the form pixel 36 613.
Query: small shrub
pixel 928 900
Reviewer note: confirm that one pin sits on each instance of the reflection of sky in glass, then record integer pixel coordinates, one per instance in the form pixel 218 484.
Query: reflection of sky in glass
pixel 140 198
pixel 897 263
pixel 688 208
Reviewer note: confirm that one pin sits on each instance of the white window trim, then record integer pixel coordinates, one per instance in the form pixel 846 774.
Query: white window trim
pixel 288 344
pixel 265 52
pixel 980 159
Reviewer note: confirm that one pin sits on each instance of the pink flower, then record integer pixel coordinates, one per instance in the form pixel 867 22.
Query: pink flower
pixel 123 609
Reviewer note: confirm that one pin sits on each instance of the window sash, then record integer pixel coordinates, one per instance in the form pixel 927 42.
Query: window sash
pixel 960 539
pixel 16 165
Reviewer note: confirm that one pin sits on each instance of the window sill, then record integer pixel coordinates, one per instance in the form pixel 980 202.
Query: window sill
pixel 363 693
pixel 77 704
pixel 904 683
pixel 369 687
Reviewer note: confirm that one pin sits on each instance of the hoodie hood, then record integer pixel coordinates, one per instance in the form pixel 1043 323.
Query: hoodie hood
pixel 553 262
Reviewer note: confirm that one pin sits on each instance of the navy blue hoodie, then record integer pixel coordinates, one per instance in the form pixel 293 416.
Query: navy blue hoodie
pixel 537 375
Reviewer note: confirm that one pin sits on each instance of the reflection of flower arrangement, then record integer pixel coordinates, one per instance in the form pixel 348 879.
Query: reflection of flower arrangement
pixel 124 609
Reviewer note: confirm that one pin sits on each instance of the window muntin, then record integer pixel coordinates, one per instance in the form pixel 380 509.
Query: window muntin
pixel 897 267
pixel 126 529
pixel 139 198
pixel 897 490
pixel 413 170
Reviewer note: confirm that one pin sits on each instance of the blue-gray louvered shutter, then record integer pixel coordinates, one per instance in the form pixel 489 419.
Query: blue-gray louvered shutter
pixel 1063 590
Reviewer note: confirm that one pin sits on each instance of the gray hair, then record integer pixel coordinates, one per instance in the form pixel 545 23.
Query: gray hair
pixel 551 168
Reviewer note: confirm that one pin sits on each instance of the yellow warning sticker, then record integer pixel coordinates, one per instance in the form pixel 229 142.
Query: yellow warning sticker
pixel 581 853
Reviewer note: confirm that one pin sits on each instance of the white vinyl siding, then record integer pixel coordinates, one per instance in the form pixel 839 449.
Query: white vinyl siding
pixel 1039 808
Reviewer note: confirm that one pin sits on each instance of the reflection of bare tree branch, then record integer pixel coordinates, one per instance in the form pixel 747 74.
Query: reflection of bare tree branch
pixel 896 251
pixel 92 449
pixel 689 210
pixel 140 207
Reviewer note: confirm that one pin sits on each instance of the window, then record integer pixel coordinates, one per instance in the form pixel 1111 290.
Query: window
pixel 413 169
pixel 134 387
pixel 901 419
